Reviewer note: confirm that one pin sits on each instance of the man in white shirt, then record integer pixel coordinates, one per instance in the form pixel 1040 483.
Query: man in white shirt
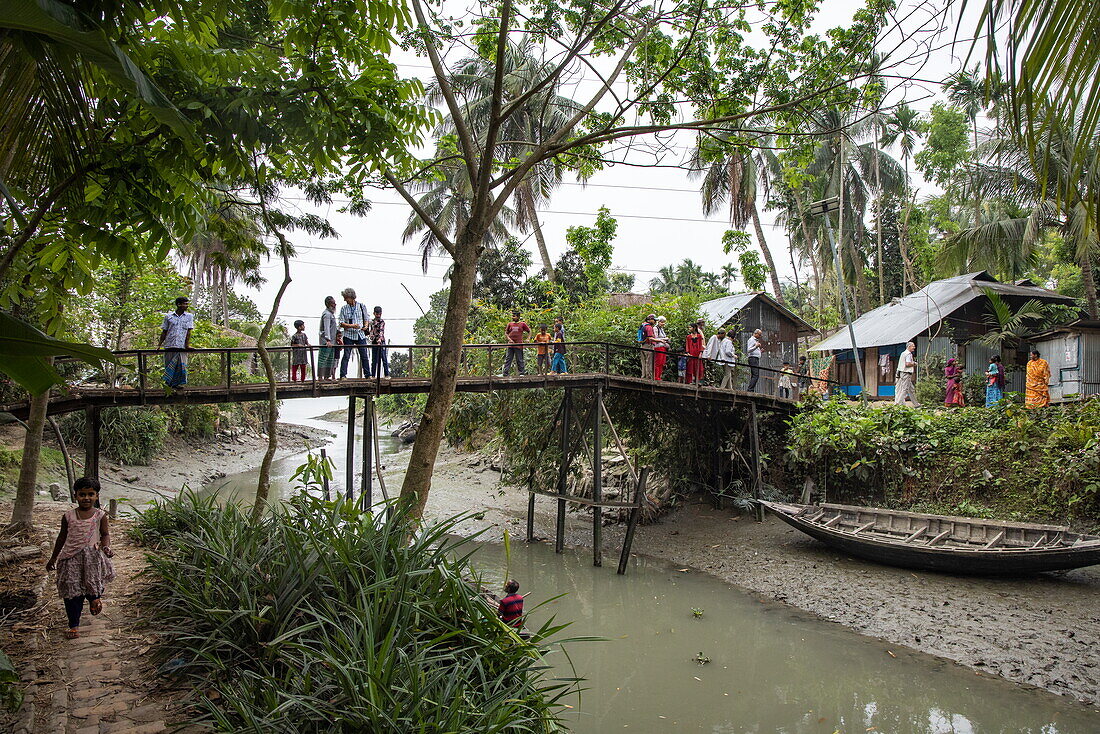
pixel 175 338
pixel 907 374
pixel 754 350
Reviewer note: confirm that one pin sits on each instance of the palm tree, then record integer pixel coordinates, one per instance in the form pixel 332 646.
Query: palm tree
pixel 1033 197
pixel 903 128
pixel 229 249
pixel 968 91
pixel 531 123
pixel 728 274
pixel 738 177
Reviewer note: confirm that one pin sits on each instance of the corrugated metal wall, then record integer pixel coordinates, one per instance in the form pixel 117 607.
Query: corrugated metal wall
pixel 1074 364
pixel 976 359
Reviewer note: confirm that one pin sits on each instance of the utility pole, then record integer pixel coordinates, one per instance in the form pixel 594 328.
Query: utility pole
pixel 822 209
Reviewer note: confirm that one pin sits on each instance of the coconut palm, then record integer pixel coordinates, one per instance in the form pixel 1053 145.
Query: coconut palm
pixel 537 117
pixel 226 251
pixel 903 127
pixel 740 178
pixel 1033 197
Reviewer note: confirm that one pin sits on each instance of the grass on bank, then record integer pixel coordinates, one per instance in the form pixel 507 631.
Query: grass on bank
pixel 321 618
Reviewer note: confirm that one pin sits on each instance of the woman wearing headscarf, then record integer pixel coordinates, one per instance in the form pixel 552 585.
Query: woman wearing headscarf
pixel 1037 391
pixel 953 394
pixel 995 374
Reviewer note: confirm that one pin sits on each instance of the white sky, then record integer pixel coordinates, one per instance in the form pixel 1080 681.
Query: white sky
pixel 658 210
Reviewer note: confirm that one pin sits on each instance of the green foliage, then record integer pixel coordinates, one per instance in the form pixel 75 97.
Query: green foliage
pixel 1040 465
pixel 26 355
pixel 947 148
pixel 312 474
pixel 593 247
pixel 753 272
pixel 129 435
pixel 322 614
pixel 11 694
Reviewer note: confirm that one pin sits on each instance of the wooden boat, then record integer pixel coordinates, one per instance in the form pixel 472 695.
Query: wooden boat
pixel 942 543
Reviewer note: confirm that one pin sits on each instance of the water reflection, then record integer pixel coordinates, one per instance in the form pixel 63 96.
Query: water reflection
pixel 771 669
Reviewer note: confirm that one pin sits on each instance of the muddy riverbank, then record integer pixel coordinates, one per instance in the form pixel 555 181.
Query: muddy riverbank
pixel 1042 631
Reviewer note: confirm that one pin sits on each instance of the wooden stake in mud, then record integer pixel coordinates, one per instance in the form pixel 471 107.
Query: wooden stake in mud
pixel 366 490
pixel 563 470
pixel 349 460
pixel 324 478
pixel 632 523
pixel 91 442
pixel 597 481
pixel 758 479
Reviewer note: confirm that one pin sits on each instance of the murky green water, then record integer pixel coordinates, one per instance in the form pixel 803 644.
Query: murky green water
pixel 771 669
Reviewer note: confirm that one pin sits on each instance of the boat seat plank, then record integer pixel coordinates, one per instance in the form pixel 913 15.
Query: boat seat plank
pixel 917 533
pixel 996 539
pixel 816 516
pixel 939 537
pixel 832 521
pixel 862 527
pixel 1040 541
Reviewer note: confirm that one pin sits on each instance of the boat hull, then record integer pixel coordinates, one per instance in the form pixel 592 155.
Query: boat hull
pixel 974 561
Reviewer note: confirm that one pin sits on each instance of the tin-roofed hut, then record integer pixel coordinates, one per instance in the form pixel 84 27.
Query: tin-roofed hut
pixel 942 318
pixel 743 313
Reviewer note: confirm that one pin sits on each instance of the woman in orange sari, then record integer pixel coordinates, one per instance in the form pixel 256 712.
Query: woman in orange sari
pixel 1037 392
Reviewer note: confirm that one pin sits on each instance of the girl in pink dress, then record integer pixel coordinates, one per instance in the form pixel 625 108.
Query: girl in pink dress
pixel 81 555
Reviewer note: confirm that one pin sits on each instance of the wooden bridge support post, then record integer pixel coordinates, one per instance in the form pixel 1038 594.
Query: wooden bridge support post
pixel 324 479
pixel 597 480
pixel 563 470
pixel 366 490
pixel 632 523
pixel 758 477
pixel 349 460
pixel 92 424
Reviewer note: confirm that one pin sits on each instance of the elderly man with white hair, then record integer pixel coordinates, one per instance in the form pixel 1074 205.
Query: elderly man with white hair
pixel 907 374
pixel 353 320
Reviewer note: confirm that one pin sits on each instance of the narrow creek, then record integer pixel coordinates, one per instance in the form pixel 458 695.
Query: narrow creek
pixel 771 668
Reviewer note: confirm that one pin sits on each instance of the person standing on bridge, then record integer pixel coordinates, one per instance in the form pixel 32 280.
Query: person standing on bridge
pixel 660 347
pixel 175 338
pixel 376 335
pixel 516 334
pixel 694 347
pixel 754 349
pixel 353 319
pixel 645 337
pixel 557 364
pixel 542 356
pixel 299 354
pixel 329 336
pixel 725 354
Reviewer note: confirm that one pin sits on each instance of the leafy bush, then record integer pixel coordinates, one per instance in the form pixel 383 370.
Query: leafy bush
pixel 318 618
pixel 1039 464
pixel 129 435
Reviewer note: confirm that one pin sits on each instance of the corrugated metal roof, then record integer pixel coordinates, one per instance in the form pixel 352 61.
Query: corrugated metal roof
pixel 721 311
pixel 903 319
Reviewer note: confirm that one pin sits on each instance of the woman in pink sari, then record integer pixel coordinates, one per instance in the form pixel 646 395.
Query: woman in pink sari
pixel 953 375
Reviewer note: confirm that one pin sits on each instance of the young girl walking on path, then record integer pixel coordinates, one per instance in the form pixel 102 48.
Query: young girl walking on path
pixel 81 555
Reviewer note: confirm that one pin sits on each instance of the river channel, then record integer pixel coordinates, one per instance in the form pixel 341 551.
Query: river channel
pixel 770 668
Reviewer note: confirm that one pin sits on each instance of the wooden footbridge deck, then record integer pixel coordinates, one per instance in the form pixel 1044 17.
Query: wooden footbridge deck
pixel 233 375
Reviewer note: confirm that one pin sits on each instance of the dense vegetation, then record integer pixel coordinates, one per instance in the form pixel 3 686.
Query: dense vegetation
pixel 325 619
pixel 1041 465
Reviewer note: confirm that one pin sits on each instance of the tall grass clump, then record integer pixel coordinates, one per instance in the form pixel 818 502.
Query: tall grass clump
pixel 320 618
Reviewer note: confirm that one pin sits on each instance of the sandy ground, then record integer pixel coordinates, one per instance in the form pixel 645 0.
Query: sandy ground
pixel 1042 630
pixel 193 464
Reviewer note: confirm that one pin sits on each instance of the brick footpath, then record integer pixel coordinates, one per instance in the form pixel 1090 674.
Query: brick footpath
pixel 102 682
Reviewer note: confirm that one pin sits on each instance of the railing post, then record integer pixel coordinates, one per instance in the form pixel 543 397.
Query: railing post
pixel 91 442
pixel 412 371
pixel 606 358
pixel 313 370
pixel 141 376
pixel 228 370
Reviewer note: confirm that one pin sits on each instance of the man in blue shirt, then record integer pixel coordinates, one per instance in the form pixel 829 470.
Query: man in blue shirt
pixel 353 319
pixel 175 338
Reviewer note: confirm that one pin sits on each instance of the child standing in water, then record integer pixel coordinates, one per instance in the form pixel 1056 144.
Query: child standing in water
pixel 81 555
pixel 511 606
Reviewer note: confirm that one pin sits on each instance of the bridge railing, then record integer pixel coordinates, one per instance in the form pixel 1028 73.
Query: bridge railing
pixel 143 370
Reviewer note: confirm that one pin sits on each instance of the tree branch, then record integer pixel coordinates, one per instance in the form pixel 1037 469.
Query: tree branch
pixel 428 221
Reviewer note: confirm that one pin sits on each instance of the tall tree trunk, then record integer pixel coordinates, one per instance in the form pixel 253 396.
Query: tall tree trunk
pixel 878 231
pixel 22 514
pixel 1090 284
pixel 529 203
pixel 263 481
pixel 766 252
pixel 907 272
pixel 418 476
pixel 225 302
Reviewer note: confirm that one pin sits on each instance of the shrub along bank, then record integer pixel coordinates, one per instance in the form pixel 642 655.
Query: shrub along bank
pixel 1010 463
pixel 319 618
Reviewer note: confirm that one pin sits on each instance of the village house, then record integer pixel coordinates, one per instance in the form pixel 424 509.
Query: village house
pixel 743 313
pixel 1073 352
pixel 943 318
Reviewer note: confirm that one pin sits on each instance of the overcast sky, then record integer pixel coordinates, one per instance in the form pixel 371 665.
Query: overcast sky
pixel 658 210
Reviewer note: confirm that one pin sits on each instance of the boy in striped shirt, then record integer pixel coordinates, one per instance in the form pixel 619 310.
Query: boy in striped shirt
pixel 511 606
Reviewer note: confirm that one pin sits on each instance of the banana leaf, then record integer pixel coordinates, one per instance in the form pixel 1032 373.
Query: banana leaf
pixel 24 351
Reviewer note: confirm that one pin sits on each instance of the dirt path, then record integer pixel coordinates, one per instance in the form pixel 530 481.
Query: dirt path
pixel 1042 630
pixel 101 683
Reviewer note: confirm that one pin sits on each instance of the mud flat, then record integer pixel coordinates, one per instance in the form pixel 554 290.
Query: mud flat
pixel 1042 631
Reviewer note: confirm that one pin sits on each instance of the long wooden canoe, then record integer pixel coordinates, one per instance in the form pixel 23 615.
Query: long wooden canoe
pixel 942 543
